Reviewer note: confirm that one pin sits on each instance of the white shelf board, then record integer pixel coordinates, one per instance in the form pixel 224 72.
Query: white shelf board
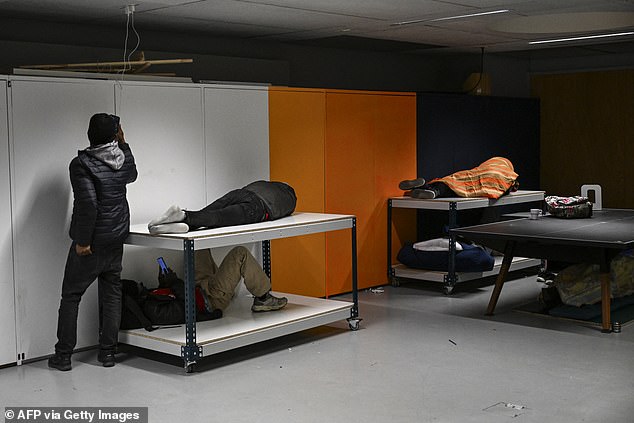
pixel 295 225
pixel 240 326
pixel 517 197
pixel 402 271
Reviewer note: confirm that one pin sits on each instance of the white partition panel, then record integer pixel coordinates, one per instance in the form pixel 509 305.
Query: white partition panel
pixel 236 136
pixel 8 351
pixel 49 120
pixel 163 123
pixel 237 142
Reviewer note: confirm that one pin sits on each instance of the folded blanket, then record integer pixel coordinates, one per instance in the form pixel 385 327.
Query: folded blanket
pixel 436 244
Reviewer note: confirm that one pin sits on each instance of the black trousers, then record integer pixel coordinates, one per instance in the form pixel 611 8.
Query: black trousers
pixel 104 264
pixel 441 190
pixel 237 207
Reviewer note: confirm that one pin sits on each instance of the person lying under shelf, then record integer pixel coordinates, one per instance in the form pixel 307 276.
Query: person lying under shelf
pixel 219 283
pixel 492 179
pixel 258 201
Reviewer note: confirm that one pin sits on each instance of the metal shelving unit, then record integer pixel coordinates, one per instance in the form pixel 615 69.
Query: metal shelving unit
pixel 453 205
pixel 238 328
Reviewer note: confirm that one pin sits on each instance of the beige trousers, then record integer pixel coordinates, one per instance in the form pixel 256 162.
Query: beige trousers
pixel 219 283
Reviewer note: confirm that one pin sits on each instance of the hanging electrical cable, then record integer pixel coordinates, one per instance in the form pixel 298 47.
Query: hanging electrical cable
pixel 138 38
pixel 470 90
pixel 125 43
pixel 129 11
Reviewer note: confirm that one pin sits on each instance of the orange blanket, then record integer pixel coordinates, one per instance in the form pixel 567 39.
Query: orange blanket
pixel 491 179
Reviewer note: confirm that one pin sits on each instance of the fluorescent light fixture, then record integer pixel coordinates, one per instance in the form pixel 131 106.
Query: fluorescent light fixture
pixel 587 37
pixel 494 12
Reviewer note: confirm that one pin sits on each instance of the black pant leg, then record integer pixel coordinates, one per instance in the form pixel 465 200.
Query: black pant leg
pixel 79 274
pixel 110 298
pixel 237 207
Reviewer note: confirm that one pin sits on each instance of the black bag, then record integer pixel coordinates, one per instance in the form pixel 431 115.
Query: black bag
pixel 132 316
pixel 143 308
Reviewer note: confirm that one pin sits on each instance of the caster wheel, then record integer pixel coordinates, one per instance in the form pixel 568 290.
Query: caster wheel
pixel 447 290
pixel 189 368
pixel 395 282
pixel 353 324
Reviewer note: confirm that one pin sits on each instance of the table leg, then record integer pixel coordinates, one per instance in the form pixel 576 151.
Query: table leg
pixel 499 281
pixel 606 324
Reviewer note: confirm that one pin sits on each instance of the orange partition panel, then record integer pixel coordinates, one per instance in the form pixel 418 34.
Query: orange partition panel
pixel 370 147
pixel 296 145
pixel 396 152
pixel 349 184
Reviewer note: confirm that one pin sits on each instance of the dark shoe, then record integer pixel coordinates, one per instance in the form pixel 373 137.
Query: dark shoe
pixel 424 194
pixel 60 362
pixel 106 358
pixel 411 184
pixel 268 303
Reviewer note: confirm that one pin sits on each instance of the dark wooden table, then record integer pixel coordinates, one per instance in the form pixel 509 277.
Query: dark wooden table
pixel 595 240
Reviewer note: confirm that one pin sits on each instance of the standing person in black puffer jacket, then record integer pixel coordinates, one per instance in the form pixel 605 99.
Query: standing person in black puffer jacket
pixel 256 202
pixel 99 225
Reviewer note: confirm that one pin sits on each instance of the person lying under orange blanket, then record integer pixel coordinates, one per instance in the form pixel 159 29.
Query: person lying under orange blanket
pixel 492 179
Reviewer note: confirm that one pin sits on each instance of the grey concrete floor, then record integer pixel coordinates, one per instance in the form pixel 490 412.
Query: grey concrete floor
pixel 419 356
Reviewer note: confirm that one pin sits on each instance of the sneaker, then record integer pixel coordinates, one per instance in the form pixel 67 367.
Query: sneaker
pixel 424 194
pixel 106 358
pixel 60 362
pixel 411 184
pixel 546 277
pixel 269 303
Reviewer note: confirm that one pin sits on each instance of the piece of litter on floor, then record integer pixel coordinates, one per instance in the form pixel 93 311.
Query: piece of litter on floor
pixel 507 409
pixel 377 290
pixel 452 342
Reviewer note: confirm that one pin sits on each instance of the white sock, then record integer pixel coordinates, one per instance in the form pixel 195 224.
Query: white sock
pixel 171 215
pixel 169 228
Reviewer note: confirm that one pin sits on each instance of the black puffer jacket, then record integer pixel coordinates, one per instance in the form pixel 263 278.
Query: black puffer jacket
pixel 278 197
pixel 99 176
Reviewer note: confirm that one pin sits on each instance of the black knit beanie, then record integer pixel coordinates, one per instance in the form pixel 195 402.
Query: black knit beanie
pixel 102 128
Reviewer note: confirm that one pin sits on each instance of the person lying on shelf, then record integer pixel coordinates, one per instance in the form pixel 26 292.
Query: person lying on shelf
pixel 256 202
pixel 219 283
pixel 100 223
pixel 491 179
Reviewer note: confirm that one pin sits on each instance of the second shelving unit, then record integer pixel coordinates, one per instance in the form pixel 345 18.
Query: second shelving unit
pixel 452 205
